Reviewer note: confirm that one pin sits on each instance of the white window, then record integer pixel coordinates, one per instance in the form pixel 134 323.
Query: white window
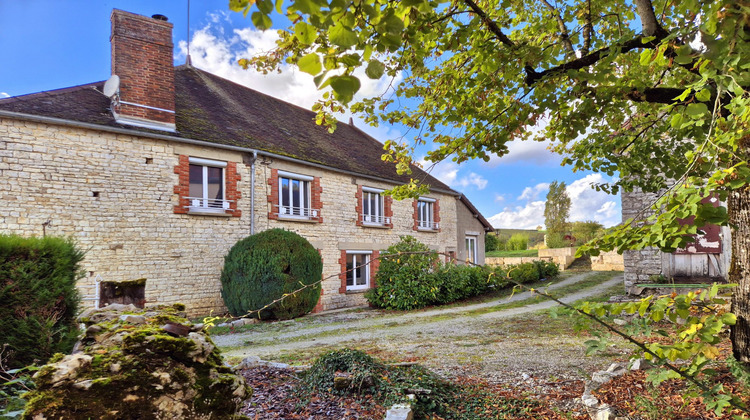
pixel 357 270
pixel 426 214
pixel 373 207
pixel 471 249
pixel 295 196
pixel 207 185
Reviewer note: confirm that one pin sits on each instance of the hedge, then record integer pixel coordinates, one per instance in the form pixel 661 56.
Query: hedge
pixel 39 298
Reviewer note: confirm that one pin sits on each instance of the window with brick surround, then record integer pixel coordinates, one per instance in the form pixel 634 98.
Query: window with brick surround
pixel 207 186
pixel 294 196
pixel 358 270
pixel 426 214
pixel 373 208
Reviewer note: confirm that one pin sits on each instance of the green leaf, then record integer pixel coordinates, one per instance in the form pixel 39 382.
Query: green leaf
pixel 341 36
pixel 310 64
pixel 375 69
pixel 703 95
pixel 260 20
pixel 344 87
pixel 265 6
pixel 305 33
pixel 697 110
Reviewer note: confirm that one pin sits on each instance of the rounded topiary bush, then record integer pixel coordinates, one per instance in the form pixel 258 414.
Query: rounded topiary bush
pixel 266 266
pixel 38 298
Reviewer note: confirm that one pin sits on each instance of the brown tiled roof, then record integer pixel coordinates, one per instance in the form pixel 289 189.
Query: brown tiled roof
pixel 216 110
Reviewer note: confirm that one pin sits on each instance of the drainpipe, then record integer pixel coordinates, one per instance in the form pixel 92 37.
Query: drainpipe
pixel 252 193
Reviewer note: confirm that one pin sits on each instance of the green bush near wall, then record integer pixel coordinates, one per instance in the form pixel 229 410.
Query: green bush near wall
pixel 266 266
pixel 410 276
pixel 38 298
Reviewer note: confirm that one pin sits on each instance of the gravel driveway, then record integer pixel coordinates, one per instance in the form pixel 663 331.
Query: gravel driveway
pixel 518 346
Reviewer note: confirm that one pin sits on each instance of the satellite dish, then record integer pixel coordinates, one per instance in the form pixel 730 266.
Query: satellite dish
pixel 112 86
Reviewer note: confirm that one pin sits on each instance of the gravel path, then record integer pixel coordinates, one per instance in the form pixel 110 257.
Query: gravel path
pixel 507 345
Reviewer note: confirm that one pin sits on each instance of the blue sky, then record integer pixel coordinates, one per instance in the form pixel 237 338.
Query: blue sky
pixel 46 44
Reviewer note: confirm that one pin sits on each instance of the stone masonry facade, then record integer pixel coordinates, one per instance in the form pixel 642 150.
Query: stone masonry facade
pixel 640 265
pixel 120 198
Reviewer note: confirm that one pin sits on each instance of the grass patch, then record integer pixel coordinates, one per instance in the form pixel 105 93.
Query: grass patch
pixel 508 254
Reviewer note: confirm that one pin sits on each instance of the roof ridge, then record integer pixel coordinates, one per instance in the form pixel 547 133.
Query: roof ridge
pixel 51 92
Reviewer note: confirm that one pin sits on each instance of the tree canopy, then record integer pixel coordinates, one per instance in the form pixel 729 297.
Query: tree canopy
pixel 655 92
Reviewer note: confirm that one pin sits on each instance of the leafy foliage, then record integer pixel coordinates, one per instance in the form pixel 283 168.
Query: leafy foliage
pixel 517 242
pixel 261 269
pixel 586 231
pixel 404 279
pixel 491 243
pixel 389 385
pixel 14 384
pixel 39 298
pixel 557 209
pixel 686 348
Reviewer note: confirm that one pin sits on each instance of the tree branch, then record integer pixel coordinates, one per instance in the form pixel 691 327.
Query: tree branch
pixel 660 95
pixel 649 24
pixel 491 25
pixel 588 30
pixel 533 76
pixel 564 35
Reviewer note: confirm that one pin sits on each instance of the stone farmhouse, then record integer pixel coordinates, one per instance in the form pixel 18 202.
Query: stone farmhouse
pixel 161 176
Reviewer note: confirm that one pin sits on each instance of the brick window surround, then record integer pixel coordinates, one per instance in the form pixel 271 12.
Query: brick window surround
pixel 273 197
pixel 182 189
pixel 387 209
pixel 374 265
pixel 435 216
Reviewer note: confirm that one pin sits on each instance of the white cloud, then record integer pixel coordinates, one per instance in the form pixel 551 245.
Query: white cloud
pixel 585 204
pixel 588 204
pixel 499 198
pixel 448 172
pixel 532 193
pixel 212 50
pixel 4 95
pixel 527 151
pixel 520 217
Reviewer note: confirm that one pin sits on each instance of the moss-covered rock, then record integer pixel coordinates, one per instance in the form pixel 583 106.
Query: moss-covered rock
pixel 138 364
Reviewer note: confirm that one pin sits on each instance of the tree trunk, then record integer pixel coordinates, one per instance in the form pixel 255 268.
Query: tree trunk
pixel 739 272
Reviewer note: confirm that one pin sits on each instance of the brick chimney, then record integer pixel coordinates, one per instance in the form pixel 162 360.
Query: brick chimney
pixel 142 58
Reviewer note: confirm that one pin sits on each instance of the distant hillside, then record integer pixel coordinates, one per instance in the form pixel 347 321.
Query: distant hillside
pixel 535 236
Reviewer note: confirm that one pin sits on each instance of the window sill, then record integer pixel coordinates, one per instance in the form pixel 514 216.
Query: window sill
pixel 375 226
pixel 208 213
pixel 297 219
pixel 357 291
pixel 428 230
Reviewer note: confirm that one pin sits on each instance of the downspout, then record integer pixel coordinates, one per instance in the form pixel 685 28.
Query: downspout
pixel 252 193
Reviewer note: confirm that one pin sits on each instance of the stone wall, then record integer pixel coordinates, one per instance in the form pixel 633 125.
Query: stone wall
pixel 563 257
pixel 115 195
pixel 639 265
pixel 608 261
pixel 468 225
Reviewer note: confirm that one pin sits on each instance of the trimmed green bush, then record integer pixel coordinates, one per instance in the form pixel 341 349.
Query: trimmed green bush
pixel 533 271
pixel 403 278
pixel 39 299
pixel 266 266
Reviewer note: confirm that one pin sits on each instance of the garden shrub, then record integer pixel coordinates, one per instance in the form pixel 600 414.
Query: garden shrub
pixel 39 298
pixel 404 278
pixel 525 273
pixel 546 269
pixel 517 242
pixel 266 266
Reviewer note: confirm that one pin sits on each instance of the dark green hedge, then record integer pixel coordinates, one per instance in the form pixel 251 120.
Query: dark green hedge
pixel 38 297
pixel 263 267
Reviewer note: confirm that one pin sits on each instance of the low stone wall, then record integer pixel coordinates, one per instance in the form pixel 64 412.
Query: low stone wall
pixel 563 257
pixel 608 261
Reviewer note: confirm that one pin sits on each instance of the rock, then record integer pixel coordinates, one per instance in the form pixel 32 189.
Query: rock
pixel 250 321
pixel 249 362
pixel 620 322
pixel 107 313
pixel 341 381
pixel 640 364
pixel 129 369
pixel 277 365
pixel 399 412
pixel 237 323
pixel 133 319
pixel 617 369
